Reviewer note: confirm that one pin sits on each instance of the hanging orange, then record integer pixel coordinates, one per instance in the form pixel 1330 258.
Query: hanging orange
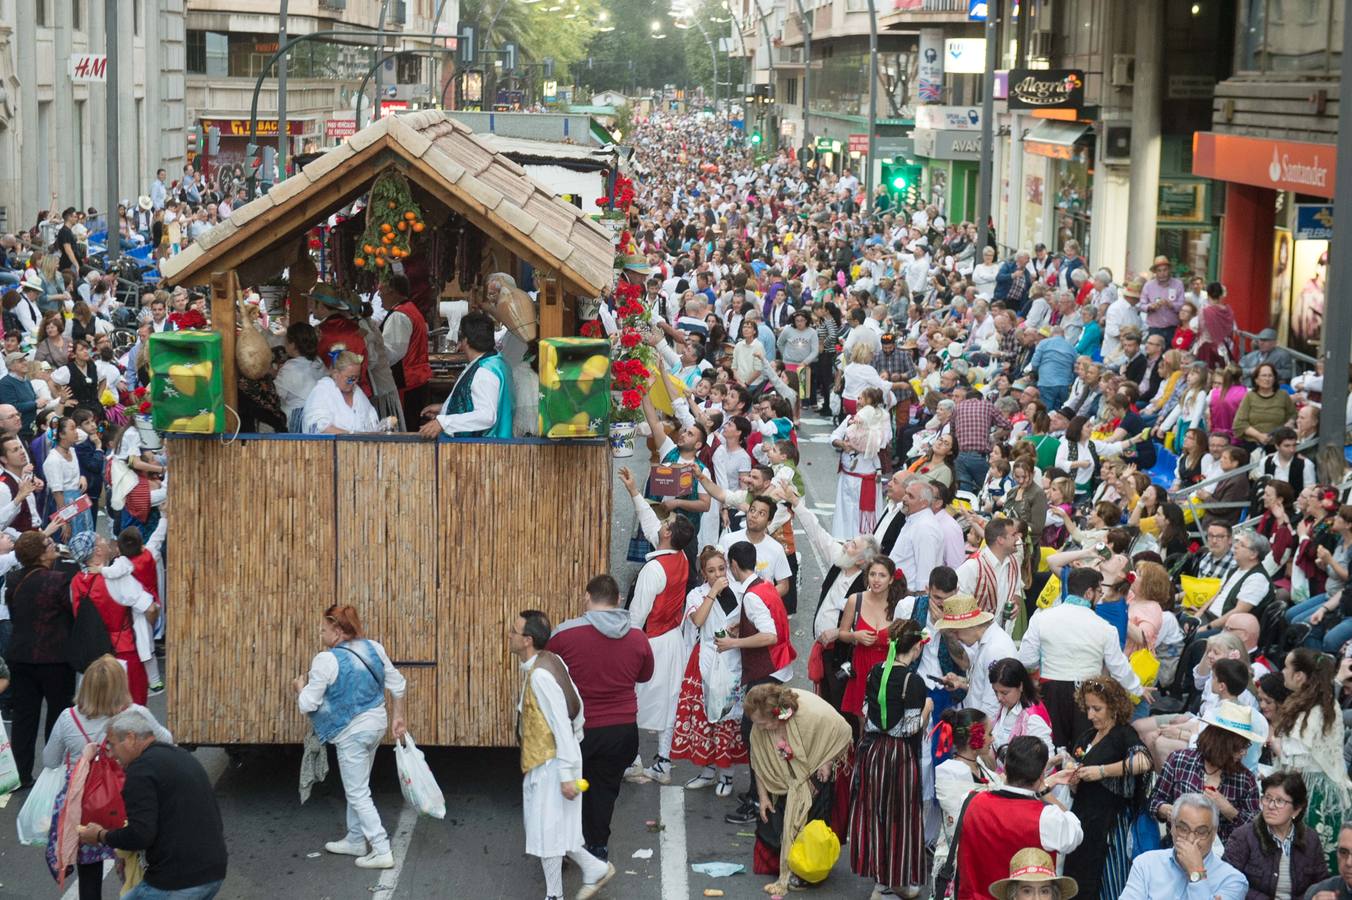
pixel 380 263
pixel 402 226
pixel 368 248
pixel 418 227
pixel 410 215
pixel 386 227
pixel 391 204
pixel 359 262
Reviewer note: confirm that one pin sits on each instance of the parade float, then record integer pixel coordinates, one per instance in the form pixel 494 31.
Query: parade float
pixel 439 544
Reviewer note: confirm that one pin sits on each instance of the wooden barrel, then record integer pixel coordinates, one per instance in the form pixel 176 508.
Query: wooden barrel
pixel 437 545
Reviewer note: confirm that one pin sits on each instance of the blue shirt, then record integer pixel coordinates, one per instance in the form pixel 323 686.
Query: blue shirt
pixel 1155 874
pixel 766 336
pixel 1054 362
pixel 1114 612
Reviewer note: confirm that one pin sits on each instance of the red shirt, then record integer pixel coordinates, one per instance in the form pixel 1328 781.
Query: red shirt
pixel 606 658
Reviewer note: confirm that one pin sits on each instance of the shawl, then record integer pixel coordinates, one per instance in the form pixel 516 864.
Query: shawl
pixel 68 827
pixel 1325 750
pixel 1218 323
pixel 817 735
pixel 868 431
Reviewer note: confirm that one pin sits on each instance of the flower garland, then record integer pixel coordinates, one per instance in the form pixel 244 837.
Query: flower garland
pixel 632 360
pixel 622 197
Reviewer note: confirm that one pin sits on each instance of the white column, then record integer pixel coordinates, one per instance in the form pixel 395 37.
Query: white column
pixel 1145 135
pixel 32 156
pixel 66 185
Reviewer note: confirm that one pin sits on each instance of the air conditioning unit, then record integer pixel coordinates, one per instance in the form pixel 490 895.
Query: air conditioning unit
pixel 1115 150
pixel 1124 70
pixel 1041 44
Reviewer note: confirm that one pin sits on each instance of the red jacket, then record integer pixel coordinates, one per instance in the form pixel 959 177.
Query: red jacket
pixel 342 330
pixel 414 370
pixel 606 657
pixel 116 617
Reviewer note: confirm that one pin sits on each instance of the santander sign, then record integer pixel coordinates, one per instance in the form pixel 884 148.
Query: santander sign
pixel 1299 166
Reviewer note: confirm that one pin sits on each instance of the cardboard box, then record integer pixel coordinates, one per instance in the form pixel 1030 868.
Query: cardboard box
pixel 574 387
pixel 186 386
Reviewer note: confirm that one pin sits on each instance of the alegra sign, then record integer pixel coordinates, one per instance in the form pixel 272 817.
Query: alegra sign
pixel 1046 88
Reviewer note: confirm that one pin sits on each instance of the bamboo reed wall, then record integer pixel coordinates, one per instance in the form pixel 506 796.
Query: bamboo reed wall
pixel 438 546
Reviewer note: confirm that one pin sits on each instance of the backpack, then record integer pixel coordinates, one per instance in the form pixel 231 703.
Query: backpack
pixel 102 804
pixel 89 637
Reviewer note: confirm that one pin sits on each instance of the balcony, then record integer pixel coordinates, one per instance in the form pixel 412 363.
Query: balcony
pixel 896 13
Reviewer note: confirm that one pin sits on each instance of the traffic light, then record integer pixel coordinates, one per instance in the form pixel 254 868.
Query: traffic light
pixel 755 138
pixel 213 141
pixel 194 140
pixel 901 181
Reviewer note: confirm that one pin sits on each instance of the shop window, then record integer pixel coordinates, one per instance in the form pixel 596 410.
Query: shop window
pixel 1296 36
pixel 1072 186
pixel 40 12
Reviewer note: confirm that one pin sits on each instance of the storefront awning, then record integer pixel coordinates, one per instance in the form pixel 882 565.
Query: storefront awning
pixel 1054 139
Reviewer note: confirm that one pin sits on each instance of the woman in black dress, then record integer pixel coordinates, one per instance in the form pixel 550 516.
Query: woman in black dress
pixel 1112 770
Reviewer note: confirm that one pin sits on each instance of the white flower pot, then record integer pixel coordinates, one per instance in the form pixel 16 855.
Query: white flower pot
pixel 621 439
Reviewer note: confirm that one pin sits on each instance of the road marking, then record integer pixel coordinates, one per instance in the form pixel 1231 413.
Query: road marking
pixel 675 875
pixel 73 892
pixel 403 836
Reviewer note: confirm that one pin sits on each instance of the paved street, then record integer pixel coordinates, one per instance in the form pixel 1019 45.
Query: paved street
pixel 477 850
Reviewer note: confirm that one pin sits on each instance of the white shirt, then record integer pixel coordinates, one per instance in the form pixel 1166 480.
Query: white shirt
pixel 859 376
pixel 772 564
pixel 62 474
pixel 1121 314
pixel 1252 591
pixel 324 672
pixel 1039 314
pixel 325 406
pixel 862 334
pixel 1069 642
pixel 397 330
pixel 916 273
pixel 295 380
pixel 484 390
pixel 919 548
pixel 1002 732
pixel 991 647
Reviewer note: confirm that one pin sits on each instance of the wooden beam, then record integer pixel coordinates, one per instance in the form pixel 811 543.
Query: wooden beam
pixel 224 293
pixel 550 303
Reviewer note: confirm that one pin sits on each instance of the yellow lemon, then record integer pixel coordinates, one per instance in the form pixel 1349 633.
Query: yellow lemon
pixel 187 378
pixel 202 423
pixel 595 367
pixel 549 367
pixel 582 784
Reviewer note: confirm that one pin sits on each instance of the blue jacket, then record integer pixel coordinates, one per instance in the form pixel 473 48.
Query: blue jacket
pixel 1054 362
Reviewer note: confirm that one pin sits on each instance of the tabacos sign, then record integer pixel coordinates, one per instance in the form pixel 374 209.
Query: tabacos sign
pixel 1046 88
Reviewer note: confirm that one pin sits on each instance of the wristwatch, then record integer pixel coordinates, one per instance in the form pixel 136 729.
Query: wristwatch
pixel 1197 877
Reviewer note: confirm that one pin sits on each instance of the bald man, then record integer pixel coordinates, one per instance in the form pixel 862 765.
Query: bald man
pixel 10 419
pixel 1246 627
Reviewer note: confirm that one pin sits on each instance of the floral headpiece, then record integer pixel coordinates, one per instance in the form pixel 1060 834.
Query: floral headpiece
pixel 925 636
pixel 782 713
pixel 1328 499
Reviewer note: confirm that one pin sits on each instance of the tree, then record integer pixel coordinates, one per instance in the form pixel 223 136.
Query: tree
pixel 557 29
pixel 628 58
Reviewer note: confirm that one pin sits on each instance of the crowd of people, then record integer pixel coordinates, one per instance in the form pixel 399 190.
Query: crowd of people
pixel 1083 618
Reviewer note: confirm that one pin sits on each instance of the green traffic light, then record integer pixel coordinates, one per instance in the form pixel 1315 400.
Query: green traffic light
pixel 755 137
pixel 899 183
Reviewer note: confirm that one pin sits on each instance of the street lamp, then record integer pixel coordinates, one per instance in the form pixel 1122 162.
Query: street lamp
pixel 654 26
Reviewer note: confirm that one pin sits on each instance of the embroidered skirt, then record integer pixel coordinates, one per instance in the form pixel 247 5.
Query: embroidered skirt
pixel 695 738
pixel 886 832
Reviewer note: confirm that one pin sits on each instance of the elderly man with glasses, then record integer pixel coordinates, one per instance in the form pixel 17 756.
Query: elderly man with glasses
pixel 1247 589
pixel 1191 869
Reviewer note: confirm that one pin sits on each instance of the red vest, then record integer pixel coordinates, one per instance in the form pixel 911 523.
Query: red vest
pixel 413 371
pixel 669 606
pixel 23 519
pixel 997 825
pixel 116 617
pixel 147 572
pixel 761 662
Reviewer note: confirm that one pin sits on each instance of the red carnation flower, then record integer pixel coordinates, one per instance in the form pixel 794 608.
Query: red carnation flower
pixel 144 408
pixel 630 339
pixel 602 201
pixel 631 399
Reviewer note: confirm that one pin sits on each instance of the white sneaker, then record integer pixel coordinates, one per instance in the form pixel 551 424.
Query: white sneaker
pixel 724 786
pixel 343 848
pixel 374 860
pixel 703 780
pixel 591 890
pixel 659 771
pixel 634 774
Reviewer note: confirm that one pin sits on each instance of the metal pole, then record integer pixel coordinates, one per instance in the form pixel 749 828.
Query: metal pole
pixel 872 103
pixel 1337 308
pixel 110 99
pixel 807 74
pixel 380 44
pixel 281 96
pixel 769 54
pixel 983 197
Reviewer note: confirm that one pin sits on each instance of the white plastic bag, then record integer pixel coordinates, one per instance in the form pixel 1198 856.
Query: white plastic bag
pixel 35 819
pixel 720 693
pixel 9 771
pixel 416 781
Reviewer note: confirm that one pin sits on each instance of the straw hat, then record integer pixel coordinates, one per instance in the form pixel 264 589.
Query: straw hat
pixel 961 611
pixel 32 281
pixel 1134 287
pixel 1235 717
pixel 1160 261
pixel 1032 865
pixel 145 203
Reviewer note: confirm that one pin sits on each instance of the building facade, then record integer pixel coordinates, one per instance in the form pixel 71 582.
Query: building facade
pixel 53 127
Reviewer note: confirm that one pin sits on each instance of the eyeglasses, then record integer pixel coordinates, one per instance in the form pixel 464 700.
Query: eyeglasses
pixel 1201 834
pixel 1275 802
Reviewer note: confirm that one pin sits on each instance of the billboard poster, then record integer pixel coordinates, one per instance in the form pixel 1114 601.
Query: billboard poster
pixel 1309 278
pixel 930 80
pixel 1280 303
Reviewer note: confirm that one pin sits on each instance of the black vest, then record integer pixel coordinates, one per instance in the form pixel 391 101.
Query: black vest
pixel 1295 473
pixel 886 540
pixel 84 389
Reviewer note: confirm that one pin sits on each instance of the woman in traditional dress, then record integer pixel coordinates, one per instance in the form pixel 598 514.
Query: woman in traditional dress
pixel 968 765
pixel 1215 344
pixel 1021 712
pixel 887 840
pixel 1307 737
pixel 796 741
pixel 104 693
pixel 1110 782
pixel 865 622
pixel 859 488
pixel 337 404
pixel 708 726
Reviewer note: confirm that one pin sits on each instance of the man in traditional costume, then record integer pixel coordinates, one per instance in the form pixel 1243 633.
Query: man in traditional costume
pixel 549 728
pixel 993 576
pixel 406 345
pixel 480 404
pixel 658 608
pixel 337 325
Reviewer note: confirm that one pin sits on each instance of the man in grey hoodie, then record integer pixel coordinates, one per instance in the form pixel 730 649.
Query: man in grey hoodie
pixel 606 659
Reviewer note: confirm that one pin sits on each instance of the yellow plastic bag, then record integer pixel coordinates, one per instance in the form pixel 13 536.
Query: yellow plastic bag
pixel 1198 592
pixel 1051 592
pixel 814 852
pixel 1044 554
pixel 1147 668
pixel 1193 510
pixel 108 398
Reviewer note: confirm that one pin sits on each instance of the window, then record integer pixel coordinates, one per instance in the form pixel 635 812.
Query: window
pixel 40 12
pixel 1294 36
pixel 76 8
pixel 137 10
pixel 208 53
pixel 791 92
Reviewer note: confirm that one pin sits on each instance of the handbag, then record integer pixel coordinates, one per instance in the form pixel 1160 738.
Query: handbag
pixel 102 804
pixel 816 668
pixel 946 876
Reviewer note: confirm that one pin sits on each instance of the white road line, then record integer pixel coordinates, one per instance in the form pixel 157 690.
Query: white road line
pixel 403 836
pixel 675 873
pixel 73 892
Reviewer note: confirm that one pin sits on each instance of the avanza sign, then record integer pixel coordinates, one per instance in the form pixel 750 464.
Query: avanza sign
pixel 1046 88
